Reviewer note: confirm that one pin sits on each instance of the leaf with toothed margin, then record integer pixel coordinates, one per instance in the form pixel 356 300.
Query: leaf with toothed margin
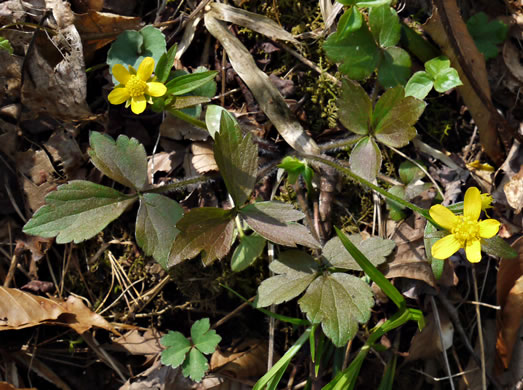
pixel 339 301
pixel 123 160
pixel 77 211
pixel 206 229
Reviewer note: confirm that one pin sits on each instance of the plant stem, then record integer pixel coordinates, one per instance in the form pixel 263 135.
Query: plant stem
pixel 480 331
pixel 361 180
pixel 176 185
pixel 187 118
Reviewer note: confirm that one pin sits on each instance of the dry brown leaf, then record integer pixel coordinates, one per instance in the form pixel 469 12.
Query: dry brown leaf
pixel 140 343
pixel 177 129
pixel 19 309
pixel 8 386
pixel 33 363
pixel 514 191
pixel 510 298
pixel 164 162
pixel 427 343
pixel 247 361
pixel 55 81
pixel 448 30
pixel 37 176
pixel 98 29
pixel 266 94
pixel 251 20
pixel 65 151
pixel 203 157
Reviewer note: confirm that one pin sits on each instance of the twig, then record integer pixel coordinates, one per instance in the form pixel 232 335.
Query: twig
pixel 272 320
pixel 480 332
pixel 444 351
pixel 11 272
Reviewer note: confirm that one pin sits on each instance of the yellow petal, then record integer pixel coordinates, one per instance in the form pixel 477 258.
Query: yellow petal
pixel 488 228
pixel 146 69
pixel 156 89
pixel 473 251
pixel 138 104
pixel 472 207
pixel 445 247
pixel 121 74
pixel 443 216
pixel 118 95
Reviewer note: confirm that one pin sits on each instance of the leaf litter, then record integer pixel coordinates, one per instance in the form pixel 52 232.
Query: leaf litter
pixel 52 110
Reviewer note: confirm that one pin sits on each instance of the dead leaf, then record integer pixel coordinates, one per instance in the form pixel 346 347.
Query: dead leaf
pixel 65 151
pixel 514 191
pixel 164 162
pixel 8 386
pixel 19 310
pixel 37 245
pixel 448 30
pixel 177 129
pixel 510 298
pixel 202 158
pixel 247 361
pixel 427 343
pixel 139 343
pixel 98 29
pixel 266 94
pixel 55 82
pixel 37 176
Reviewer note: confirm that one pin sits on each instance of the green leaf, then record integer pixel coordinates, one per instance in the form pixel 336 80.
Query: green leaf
pixel 419 85
pixel 395 128
pixel 195 365
pixel 182 102
pixel 365 159
pixel 177 346
pixel 356 50
pixel 213 117
pixel 376 249
pixel 437 65
pixel 415 44
pixel 350 21
pixel 6 45
pixel 156 225
pixel 396 212
pixel 385 103
pixel 339 301
pixel 354 107
pixel 410 172
pixel 203 338
pixel 186 83
pixel 124 161
pixel 207 89
pixel 385 26
pixel 430 236
pixel 372 3
pixel 249 249
pixel 271 220
pixel 165 64
pixel 394 68
pixel 293 166
pixel 447 80
pixel 131 47
pixel 237 159
pixel 496 246
pixel 487 34
pixel 295 272
pixel 77 211
pixel 207 229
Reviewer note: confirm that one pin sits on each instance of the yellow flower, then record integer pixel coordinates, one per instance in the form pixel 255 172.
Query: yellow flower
pixel 486 200
pixel 135 86
pixel 466 231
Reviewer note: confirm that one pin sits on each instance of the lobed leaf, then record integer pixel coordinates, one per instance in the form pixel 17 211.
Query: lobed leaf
pixel 6 45
pixel 385 26
pixel 237 159
pixel 213 117
pixel 123 160
pixel 271 220
pixel 207 229
pixel 203 337
pixel 354 107
pixel 487 34
pixel 356 51
pixel 394 68
pixel 339 301
pixel 177 347
pixel 77 211
pixel 195 365
pixel 156 225
pixel 365 159
pixel 419 85
pixel 249 249
pixel 295 271
pixel 350 21
pixel 376 249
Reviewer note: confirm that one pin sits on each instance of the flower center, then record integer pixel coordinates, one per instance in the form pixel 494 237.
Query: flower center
pixel 136 87
pixel 466 229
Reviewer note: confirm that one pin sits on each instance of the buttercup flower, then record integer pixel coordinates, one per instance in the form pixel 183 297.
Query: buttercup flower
pixel 466 231
pixel 136 86
pixel 486 200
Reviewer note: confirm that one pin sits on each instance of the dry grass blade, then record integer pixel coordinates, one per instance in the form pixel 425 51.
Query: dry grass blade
pixel 267 95
pixel 255 22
